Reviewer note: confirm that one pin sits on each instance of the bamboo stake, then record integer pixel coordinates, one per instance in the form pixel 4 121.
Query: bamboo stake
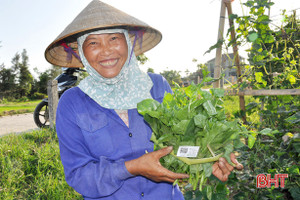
pixel 218 60
pixel 236 61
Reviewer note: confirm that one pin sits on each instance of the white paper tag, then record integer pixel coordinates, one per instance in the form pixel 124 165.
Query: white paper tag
pixel 188 151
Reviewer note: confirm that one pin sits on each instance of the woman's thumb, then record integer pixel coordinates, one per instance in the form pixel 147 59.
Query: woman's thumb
pixel 165 151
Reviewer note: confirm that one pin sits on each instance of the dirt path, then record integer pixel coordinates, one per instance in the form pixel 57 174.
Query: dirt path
pixel 17 124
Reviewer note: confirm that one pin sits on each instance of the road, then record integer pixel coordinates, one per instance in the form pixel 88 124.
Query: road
pixel 17 124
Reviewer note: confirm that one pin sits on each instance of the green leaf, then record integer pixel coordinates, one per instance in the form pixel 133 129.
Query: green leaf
pixel 207 79
pixel 147 105
pixel 207 167
pixel 189 92
pixel 251 140
pixel 292 79
pixel 206 95
pixel 200 120
pixel 217 92
pixel 269 132
pixel 258 77
pixel 252 37
pixel 217 45
pixel 249 3
pixel 168 97
pixel 238 144
pixel 228 151
pixel 265 131
pixel 209 192
pixel 294 170
pixel 294 119
pixel 208 106
pixel 164 138
pixel 264 19
pixel 196 168
pixel 233 16
pixel 268 39
pixel 205 73
pixel 180 127
pixel 258 58
pixel 251 106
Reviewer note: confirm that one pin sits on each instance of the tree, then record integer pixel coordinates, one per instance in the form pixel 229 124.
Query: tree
pixel 45 76
pixel 7 80
pixel 142 59
pixel 25 77
pixel 172 76
pixel 151 70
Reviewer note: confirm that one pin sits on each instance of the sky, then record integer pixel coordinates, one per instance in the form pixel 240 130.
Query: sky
pixel 188 27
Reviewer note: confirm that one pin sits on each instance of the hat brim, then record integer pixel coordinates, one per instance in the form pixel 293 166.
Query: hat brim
pixel 98 15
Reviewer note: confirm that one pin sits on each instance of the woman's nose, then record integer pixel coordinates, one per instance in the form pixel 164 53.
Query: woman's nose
pixel 106 49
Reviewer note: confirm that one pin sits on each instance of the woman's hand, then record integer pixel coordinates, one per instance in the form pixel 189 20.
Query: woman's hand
pixel 222 169
pixel 149 166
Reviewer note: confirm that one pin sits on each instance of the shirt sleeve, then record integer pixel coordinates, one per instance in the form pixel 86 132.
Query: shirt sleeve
pixel 167 86
pixel 92 177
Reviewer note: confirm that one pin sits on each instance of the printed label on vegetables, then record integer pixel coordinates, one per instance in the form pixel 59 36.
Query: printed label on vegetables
pixel 188 151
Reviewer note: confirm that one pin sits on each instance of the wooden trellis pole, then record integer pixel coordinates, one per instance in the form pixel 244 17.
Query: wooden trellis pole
pixel 217 70
pixel 218 60
pixel 236 61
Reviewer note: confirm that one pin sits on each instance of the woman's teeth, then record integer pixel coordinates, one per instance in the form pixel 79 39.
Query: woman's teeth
pixel 109 63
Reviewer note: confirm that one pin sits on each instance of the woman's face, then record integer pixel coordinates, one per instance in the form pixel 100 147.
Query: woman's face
pixel 106 53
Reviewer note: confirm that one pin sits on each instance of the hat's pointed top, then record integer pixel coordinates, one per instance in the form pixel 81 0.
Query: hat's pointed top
pixel 98 15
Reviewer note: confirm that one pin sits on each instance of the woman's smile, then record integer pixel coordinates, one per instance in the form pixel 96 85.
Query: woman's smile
pixel 106 53
pixel 109 63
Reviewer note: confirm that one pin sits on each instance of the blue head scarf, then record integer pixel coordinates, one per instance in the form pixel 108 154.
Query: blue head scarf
pixel 121 92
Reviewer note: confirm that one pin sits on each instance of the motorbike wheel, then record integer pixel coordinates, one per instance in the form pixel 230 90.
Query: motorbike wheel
pixel 41 115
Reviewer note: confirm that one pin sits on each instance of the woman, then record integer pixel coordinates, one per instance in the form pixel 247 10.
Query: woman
pixel 104 143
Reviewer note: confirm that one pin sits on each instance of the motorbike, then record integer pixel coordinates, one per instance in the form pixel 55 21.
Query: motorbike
pixel 65 81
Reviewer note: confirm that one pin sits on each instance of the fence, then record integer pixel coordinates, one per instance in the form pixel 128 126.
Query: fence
pixel 52 101
pixel 262 92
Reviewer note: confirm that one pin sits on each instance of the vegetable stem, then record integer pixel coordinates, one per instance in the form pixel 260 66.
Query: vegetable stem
pixel 188 161
pixel 210 150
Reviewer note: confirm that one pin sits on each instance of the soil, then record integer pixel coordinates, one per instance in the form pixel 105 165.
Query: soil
pixel 17 124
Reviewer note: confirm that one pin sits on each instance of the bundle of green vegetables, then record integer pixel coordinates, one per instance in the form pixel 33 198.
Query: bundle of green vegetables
pixel 188 118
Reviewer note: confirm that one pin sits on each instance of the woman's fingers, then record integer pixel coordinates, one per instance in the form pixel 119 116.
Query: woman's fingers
pixel 163 174
pixel 149 166
pixel 228 166
pixel 225 166
pixel 222 168
pixel 170 176
pixel 218 172
pixel 238 165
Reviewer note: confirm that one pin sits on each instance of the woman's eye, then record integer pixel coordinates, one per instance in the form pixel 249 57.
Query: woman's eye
pixel 92 43
pixel 114 38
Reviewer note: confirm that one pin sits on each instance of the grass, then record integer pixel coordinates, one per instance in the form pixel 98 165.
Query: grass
pixel 232 107
pixel 30 167
pixel 10 108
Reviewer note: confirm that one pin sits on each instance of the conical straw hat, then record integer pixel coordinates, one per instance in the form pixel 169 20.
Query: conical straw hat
pixel 98 15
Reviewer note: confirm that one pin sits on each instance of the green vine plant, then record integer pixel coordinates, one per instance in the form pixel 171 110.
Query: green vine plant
pixel 273 63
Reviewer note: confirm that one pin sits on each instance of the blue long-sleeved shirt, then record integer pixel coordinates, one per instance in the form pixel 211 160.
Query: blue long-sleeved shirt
pixel 95 143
